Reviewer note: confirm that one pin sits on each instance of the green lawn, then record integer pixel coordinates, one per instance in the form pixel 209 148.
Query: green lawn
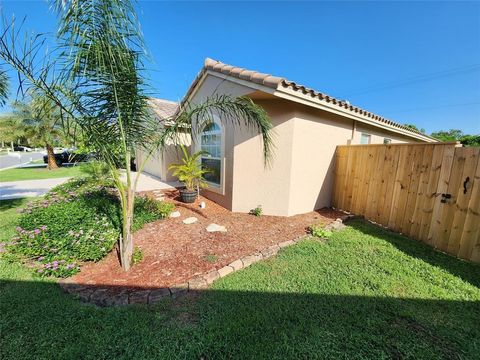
pixel 19 174
pixel 366 293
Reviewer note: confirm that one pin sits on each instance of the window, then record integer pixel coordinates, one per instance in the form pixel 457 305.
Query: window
pixel 211 142
pixel 365 139
pixel 387 141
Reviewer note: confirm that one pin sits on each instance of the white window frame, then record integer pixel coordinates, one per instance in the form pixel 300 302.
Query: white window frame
pixel 217 188
pixel 365 135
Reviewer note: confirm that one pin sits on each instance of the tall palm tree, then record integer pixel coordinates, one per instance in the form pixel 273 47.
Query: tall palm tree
pixel 42 123
pixel 104 88
pixel 3 87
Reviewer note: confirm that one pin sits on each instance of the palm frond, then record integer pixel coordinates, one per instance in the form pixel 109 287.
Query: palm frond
pixel 234 111
pixel 3 87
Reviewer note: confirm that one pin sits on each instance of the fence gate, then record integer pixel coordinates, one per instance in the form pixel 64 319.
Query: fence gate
pixel 430 192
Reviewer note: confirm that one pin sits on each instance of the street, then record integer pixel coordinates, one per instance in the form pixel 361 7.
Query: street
pixel 18 158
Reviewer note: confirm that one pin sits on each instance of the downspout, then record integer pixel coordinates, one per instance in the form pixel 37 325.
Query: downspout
pixel 354 130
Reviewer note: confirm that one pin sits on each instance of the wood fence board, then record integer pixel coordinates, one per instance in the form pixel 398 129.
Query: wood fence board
pixel 442 188
pixel 397 187
pixel 373 196
pixel 414 178
pixel 392 161
pixel 471 228
pixel 401 187
pixel 350 178
pixel 431 191
pixel 421 197
pixel 449 207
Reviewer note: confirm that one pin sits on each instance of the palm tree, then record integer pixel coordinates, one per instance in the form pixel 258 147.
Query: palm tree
pixel 3 87
pixel 42 123
pixel 103 87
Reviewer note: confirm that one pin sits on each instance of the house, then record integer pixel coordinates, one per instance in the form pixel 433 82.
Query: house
pixel 307 127
pixel 157 164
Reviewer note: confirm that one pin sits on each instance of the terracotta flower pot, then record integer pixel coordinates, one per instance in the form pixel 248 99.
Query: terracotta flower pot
pixel 188 196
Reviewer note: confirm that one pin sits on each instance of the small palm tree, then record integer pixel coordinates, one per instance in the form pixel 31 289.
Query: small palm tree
pixel 190 172
pixel 102 87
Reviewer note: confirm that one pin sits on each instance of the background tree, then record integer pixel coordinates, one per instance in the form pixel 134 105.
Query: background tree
pixel 102 86
pixel 11 129
pixel 414 127
pixel 42 123
pixel 457 135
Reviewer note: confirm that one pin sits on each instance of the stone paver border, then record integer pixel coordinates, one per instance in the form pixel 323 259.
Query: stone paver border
pixel 102 297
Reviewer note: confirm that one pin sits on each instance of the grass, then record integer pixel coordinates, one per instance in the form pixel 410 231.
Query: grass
pixel 19 174
pixel 365 293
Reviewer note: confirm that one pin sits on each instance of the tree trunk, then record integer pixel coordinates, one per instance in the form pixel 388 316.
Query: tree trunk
pixel 51 162
pixel 11 145
pixel 126 243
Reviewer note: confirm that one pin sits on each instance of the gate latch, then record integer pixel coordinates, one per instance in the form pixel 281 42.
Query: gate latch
pixel 445 197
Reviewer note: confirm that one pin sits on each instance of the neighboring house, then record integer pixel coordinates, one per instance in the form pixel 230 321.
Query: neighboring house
pixel 307 126
pixel 157 164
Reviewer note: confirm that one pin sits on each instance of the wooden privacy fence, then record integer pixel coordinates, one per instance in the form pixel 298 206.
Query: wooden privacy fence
pixel 430 192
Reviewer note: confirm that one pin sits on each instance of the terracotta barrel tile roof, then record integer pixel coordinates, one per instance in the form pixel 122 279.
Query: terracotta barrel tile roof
pixel 277 83
pixel 244 74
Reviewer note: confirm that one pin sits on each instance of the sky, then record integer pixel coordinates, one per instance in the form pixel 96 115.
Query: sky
pixel 411 62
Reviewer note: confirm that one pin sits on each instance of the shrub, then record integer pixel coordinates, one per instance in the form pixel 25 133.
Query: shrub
pixel 257 211
pixel 137 255
pixel 320 231
pixel 212 259
pixel 148 210
pixel 76 222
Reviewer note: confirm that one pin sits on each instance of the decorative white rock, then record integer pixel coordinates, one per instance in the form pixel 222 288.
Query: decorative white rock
pixel 214 228
pixel 203 205
pixel 175 214
pixel 190 220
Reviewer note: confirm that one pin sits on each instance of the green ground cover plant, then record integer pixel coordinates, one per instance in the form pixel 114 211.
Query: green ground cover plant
pixel 75 222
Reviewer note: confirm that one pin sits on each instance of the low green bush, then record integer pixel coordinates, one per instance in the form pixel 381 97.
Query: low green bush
pixel 76 222
pixel 137 255
pixel 148 210
pixel 320 231
pixel 257 211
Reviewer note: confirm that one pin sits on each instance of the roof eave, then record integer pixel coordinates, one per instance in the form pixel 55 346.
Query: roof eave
pixel 292 95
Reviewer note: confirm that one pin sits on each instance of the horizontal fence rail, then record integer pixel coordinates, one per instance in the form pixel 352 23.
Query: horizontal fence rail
pixel 430 192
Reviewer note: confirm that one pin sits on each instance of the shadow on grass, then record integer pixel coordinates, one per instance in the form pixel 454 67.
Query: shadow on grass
pixel 38 321
pixel 11 203
pixel 467 271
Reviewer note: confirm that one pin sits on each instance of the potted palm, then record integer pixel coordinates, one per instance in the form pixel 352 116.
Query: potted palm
pixel 190 173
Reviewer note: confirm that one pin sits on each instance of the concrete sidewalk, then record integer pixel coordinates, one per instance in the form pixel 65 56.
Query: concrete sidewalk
pixel 28 188
pixel 31 188
pixel 147 182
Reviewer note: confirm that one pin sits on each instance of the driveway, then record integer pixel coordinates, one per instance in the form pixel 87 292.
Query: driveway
pixel 27 188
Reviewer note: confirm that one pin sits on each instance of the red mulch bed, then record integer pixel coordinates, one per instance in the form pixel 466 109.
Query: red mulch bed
pixel 174 252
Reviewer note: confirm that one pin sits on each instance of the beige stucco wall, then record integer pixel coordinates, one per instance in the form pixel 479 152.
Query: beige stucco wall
pixel 378 135
pixel 157 164
pixel 299 177
pixel 210 87
pixel 254 183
